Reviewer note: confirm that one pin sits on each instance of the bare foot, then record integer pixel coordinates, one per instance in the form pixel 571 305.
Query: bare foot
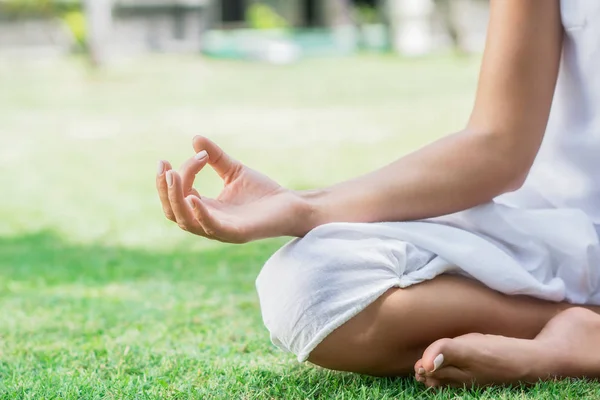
pixel 568 346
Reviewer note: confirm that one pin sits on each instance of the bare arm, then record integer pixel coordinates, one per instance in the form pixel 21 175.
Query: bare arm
pixel 492 155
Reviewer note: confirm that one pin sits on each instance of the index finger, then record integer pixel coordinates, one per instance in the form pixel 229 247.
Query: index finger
pixel 190 169
pixel 220 161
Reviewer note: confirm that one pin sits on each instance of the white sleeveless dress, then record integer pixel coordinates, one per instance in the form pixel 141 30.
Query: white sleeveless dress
pixel 540 241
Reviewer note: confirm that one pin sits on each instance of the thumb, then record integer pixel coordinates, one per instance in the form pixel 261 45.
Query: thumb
pixel 220 161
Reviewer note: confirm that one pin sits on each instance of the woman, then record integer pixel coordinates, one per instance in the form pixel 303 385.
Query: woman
pixel 487 270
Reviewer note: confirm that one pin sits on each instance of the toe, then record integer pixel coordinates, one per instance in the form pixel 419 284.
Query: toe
pixel 419 370
pixel 420 378
pixel 444 352
pixel 432 382
pixel 448 362
pixel 451 376
pixel 435 356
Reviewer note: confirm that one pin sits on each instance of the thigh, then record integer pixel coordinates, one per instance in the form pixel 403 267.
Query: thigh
pixel 389 336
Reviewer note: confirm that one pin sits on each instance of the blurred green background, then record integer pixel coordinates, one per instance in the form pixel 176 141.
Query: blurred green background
pixel 100 295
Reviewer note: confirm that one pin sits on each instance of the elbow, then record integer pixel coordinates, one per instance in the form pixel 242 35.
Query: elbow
pixel 503 179
pixel 512 173
pixel 509 163
pixel 517 181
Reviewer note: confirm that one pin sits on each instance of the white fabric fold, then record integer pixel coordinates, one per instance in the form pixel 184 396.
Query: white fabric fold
pixel 315 284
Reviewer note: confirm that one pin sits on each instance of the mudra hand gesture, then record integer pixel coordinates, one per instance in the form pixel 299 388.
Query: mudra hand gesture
pixel 251 206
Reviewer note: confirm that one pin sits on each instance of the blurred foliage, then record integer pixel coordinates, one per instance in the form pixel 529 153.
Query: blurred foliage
pixel 29 6
pixel 40 6
pixel 69 11
pixel 75 22
pixel 261 16
pixel 364 14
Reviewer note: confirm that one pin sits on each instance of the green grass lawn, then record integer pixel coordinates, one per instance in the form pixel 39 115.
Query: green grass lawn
pixel 103 298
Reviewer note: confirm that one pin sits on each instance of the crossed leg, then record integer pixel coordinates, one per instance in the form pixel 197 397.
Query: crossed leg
pixel 393 333
pixel 568 346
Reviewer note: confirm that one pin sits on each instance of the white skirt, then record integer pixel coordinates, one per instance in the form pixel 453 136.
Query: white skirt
pixel 315 284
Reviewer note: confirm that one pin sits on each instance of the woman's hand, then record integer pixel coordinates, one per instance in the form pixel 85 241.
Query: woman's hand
pixel 250 207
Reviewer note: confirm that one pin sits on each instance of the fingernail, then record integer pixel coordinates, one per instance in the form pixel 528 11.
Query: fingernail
pixel 170 178
pixel 437 362
pixel 161 167
pixel 201 155
pixel 421 371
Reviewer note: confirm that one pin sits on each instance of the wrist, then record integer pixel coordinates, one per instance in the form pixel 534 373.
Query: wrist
pixel 310 213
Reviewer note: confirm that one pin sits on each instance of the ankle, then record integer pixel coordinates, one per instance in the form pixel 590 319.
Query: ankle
pixel 549 361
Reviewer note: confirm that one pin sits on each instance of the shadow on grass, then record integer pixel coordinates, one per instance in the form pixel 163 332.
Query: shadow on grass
pixel 47 258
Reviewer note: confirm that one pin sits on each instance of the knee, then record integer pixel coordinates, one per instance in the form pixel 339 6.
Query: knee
pixel 575 316
pixel 310 297
pixel 306 291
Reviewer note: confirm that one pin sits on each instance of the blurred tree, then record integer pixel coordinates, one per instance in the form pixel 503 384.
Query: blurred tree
pixel 75 21
pixel 261 16
pixel 449 12
pixel 29 6
pixel 343 12
pixel 99 21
